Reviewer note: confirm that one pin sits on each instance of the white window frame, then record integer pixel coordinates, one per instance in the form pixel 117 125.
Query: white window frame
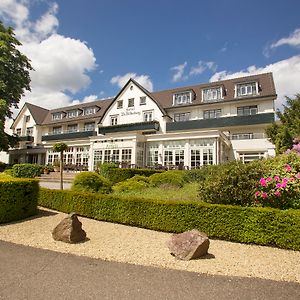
pixel 131 102
pixel 18 131
pixel 212 94
pixel 72 113
pixel 89 126
pixel 57 116
pixel 119 104
pixel 148 115
pixel 253 110
pixel 29 131
pixel 182 98
pixel 182 117
pixel 248 89
pixel 143 100
pixel 72 128
pixel 91 110
pixel 212 113
pixel 56 129
pixel 114 120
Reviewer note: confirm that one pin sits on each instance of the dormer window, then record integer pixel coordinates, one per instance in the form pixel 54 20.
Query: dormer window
pixel 72 113
pixel 246 89
pixel 182 98
pixel 57 116
pixel 131 102
pixel 212 94
pixel 89 110
pixel 120 104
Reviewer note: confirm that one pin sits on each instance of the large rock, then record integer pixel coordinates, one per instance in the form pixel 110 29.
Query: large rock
pixel 69 230
pixel 188 245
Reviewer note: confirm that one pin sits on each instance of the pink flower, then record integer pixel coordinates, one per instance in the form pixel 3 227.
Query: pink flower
pixel 277 193
pixel 288 168
pixel 292 179
pixel 265 195
pixel 269 179
pixel 298 176
pixel 283 185
pixel 288 151
pixel 257 193
pixel 278 185
pixel 276 178
pixel 263 182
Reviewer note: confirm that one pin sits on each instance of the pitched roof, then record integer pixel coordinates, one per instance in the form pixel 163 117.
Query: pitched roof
pixel 38 113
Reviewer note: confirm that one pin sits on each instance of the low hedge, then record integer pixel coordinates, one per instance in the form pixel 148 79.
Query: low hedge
pixel 263 226
pixel 18 199
pixel 27 170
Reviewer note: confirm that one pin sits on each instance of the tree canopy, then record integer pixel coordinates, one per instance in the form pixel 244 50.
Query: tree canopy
pixel 282 133
pixel 14 79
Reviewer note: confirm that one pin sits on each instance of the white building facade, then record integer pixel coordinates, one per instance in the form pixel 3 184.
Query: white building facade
pixel 181 128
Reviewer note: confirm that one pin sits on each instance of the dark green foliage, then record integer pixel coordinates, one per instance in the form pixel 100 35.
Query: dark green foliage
pixel 91 182
pixel 198 175
pixel 26 170
pixel 137 182
pixel 263 226
pixel 18 199
pixel 232 183
pixel 3 166
pixel 115 174
pixel 172 178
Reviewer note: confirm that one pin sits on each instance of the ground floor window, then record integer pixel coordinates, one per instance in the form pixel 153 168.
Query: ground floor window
pixel 200 157
pixel 246 157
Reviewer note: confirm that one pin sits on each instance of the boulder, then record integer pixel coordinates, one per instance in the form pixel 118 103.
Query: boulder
pixel 188 245
pixel 69 230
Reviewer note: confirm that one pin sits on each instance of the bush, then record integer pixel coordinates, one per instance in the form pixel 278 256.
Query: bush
pixel 91 182
pixel 198 175
pixel 232 183
pixel 3 166
pixel 263 226
pixel 137 182
pixel 174 178
pixel 18 199
pixel 26 170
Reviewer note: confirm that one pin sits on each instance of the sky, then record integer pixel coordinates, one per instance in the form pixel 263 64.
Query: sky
pixel 86 50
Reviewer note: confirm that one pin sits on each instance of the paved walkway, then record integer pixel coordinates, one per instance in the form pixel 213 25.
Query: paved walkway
pixel 54 185
pixel 31 273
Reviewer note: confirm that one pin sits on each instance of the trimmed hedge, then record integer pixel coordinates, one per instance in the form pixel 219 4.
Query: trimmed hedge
pixel 27 170
pixel 18 199
pixel 263 226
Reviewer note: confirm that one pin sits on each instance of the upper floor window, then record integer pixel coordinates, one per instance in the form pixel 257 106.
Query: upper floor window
pixel 212 94
pixel 18 131
pixel 89 110
pixel 148 116
pixel 29 131
pixel 142 100
pixel 57 130
pixel 72 113
pixel 247 110
pixel 242 136
pixel 89 126
pixel 27 119
pixel 212 114
pixel 246 89
pixel 72 128
pixel 120 104
pixel 113 120
pixel 131 102
pixel 57 116
pixel 182 98
pixel 181 117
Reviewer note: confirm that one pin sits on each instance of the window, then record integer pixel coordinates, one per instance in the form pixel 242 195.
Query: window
pixel 89 110
pixel 115 155
pixel 18 131
pixel 181 117
pixel 57 130
pixel 131 102
pixel 195 158
pixel 72 128
pixel 113 120
pixel 106 155
pixel 120 104
pixel 246 89
pixel 27 119
pixel 89 126
pixel 182 98
pixel 207 156
pixel 212 114
pixel 29 131
pixel 247 110
pixel 97 158
pixel 168 155
pixel 212 94
pixel 126 155
pixel 72 113
pixel 246 157
pixel 57 116
pixel 148 116
pixel 142 100
pixel 242 136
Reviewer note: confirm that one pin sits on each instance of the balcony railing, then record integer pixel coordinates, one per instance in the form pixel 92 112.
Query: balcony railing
pixel 25 138
pixel 141 126
pixel 67 135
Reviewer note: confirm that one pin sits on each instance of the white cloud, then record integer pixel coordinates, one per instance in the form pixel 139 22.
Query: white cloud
pixel 203 66
pixel 61 63
pixel 179 71
pixel 292 40
pixel 286 75
pixel 86 99
pixel 143 80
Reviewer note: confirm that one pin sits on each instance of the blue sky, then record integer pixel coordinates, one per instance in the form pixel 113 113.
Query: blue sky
pixel 86 50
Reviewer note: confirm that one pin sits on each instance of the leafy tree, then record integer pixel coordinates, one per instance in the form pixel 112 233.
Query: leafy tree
pixel 14 80
pixel 282 134
pixel 60 147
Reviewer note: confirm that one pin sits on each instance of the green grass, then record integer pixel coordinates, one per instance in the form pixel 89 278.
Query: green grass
pixel 4 176
pixel 188 192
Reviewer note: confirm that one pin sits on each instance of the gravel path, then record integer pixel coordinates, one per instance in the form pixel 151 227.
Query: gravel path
pixel 138 246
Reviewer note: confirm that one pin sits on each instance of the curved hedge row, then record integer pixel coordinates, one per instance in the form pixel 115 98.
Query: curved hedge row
pixel 263 226
pixel 18 199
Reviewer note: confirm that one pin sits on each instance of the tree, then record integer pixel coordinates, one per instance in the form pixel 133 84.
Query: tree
pixel 60 147
pixel 14 80
pixel 283 134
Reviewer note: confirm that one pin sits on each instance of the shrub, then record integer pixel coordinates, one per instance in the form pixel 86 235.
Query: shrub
pixel 91 182
pixel 27 170
pixel 3 166
pixel 137 182
pixel 198 175
pixel 174 178
pixel 18 199
pixel 232 183
pixel 263 226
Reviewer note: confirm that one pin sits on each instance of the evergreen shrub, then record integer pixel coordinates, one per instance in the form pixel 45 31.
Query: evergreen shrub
pixel 171 178
pixel 27 170
pixel 136 182
pixel 263 226
pixel 18 199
